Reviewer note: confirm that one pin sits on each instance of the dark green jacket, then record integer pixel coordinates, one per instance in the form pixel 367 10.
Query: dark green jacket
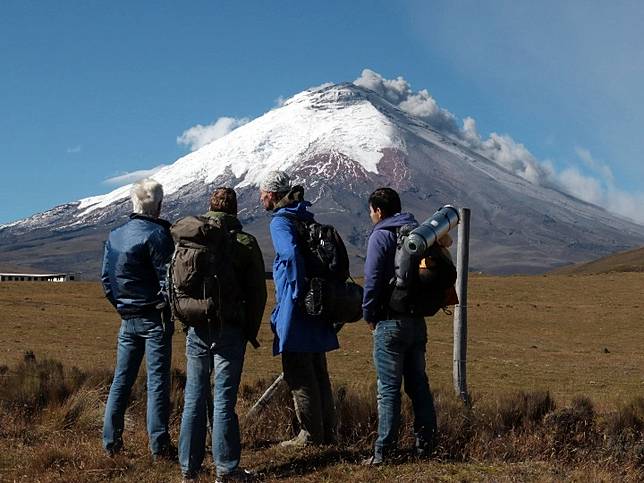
pixel 249 264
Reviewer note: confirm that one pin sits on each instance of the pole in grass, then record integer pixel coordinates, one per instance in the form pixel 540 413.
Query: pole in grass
pixel 263 401
pixel 460 310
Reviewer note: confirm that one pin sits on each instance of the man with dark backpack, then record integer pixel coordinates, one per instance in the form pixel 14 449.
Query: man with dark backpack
pixel 399 340
pixel 301 338
pixel 218 290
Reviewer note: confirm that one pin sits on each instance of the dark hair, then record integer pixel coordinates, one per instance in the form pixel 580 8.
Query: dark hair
pixel 387 200
pixel 224 199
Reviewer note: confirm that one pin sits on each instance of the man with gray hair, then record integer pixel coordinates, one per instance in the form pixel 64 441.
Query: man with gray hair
pixel 134 280
pixel 302 340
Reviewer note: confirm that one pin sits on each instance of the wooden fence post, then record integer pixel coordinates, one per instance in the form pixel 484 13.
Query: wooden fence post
pixel 460 310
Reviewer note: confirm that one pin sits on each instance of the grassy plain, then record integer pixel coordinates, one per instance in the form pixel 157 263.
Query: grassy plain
pixel 569 335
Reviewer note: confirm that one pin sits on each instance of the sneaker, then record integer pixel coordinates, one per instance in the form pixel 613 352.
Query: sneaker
pixel 239 474
pixel 296 442
pixel 372 461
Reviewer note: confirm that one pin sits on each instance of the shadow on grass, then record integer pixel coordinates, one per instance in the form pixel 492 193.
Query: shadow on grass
pixel 309 461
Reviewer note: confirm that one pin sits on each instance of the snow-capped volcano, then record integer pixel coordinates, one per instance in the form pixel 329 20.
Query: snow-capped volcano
pixel 341 142
pixel 342 119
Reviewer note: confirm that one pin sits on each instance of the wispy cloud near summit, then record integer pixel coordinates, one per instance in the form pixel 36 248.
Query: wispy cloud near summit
pixel 585 178
pixel 132 176
pixel 198 136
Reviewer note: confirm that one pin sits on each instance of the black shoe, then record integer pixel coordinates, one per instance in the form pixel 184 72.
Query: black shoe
pixel 238 475
pixel 424 453
pixel 115 449
pixel 167 453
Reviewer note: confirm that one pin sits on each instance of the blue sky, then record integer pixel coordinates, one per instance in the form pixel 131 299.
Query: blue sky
pixel 92 90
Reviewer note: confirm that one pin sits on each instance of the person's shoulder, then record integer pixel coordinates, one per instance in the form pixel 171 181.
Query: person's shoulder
pixel 379 233
pixel 246 238
pixel 155 231
pixel 282 218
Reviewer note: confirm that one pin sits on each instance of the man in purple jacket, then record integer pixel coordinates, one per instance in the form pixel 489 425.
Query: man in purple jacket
pixel 398 340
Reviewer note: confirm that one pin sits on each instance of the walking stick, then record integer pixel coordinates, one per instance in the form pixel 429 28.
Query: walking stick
pixel 263 401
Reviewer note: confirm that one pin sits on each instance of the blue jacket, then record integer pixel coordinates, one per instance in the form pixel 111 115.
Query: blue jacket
pixel 379 265
pixel 135 264
pixel 294 330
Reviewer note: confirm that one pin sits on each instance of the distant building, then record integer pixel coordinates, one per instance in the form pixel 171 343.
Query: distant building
pixel 37 277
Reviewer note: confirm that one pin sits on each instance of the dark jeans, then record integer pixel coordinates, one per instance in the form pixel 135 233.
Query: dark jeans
pixel 220 350
pixel 308 379
pixel 137 337
pixel 399 354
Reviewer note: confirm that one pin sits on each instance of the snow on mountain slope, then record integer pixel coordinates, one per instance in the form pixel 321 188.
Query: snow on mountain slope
pixel 332 119
pixel 342 141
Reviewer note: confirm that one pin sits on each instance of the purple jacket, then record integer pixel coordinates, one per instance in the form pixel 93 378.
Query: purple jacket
pixel 379 265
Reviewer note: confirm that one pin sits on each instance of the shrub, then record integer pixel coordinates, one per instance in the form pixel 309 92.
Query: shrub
pixel 35 384
pixel 572 430
pixel 624 431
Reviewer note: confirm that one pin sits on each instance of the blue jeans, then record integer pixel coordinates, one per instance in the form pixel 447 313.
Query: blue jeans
pixel 399 354
pixel 222 349
pixel 139 336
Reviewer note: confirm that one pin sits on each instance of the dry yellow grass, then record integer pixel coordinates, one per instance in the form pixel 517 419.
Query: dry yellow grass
pixel 570 335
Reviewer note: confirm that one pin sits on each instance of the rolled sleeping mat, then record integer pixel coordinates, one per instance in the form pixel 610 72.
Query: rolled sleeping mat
pixel 431 230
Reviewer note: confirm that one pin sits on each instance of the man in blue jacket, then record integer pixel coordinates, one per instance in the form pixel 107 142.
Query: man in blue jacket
pixel 302 340
pixel 134 280
pixel 399 341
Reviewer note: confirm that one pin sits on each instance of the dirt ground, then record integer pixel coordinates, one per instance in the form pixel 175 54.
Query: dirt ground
pixel 568 334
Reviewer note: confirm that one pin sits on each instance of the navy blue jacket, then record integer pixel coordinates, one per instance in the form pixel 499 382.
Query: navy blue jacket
pixel 379 265
pixel 294 330
pixel 135 264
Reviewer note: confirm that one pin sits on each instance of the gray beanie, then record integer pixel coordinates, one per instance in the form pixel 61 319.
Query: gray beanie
pixel 276 182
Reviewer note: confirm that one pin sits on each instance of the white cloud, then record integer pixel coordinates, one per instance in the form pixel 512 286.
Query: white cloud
pixel 506 152
pixel 420 104
pixel 596 166
pixel 597 188
pixel 198 136
pixel 75 149
pixel 132 176
pixel 279 102
pixel 583 187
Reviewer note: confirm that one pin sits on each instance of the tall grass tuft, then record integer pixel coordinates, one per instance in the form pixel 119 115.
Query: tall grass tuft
pixel 624 431
pixel 357 415
pixel 276 422
pixel 34 384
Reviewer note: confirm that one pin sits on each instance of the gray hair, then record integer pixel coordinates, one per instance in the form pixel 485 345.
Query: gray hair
pixel 276 182
pixel 146 196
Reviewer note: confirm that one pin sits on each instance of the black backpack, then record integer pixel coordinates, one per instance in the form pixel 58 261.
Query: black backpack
pixel 203 286
pixel 422 286
pixel 331 293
